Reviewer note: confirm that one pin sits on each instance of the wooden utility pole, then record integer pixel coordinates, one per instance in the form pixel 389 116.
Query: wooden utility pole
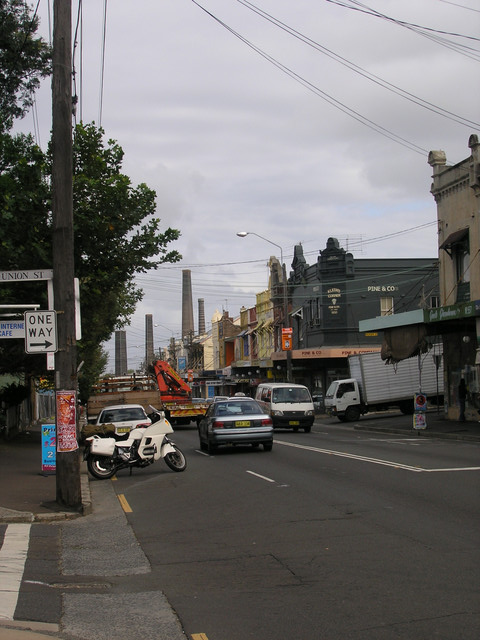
pixel 68 461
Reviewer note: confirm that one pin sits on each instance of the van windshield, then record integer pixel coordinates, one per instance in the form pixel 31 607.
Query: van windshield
pixel 291 394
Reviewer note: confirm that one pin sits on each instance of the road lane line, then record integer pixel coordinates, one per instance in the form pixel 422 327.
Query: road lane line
pixel 13 556
pixel 259 476
pixel 385 463
pixel 123 501
pixel 199 636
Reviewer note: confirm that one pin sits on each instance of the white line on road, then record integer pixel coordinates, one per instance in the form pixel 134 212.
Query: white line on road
pixel 385 463
pixel 259 476
pixel 13 556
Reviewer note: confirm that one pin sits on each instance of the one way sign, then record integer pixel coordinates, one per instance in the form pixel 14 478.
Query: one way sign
pixel 40 331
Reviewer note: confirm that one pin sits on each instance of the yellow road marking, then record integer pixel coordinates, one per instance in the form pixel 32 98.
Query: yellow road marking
pixel 199 636
pixel 123 501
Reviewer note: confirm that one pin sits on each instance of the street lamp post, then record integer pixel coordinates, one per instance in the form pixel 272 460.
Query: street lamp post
pixel 243 234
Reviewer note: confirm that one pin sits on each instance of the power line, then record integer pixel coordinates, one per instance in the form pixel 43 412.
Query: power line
pixel 426 32
pixel 355 115
pixel 357 69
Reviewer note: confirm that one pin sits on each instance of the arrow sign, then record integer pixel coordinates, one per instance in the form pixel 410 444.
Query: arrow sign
pixel 40 331
pixel 41 345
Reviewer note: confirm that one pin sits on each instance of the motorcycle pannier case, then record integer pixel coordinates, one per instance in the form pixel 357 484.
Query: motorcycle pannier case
pixel 102 446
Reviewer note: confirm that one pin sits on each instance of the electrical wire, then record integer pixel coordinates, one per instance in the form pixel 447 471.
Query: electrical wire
pixel 359 70
pixel 317 91
pixel 425 32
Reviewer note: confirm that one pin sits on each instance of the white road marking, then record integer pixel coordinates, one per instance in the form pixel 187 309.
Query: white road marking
pixel 385 463
pixel 259 476
pixel 13 556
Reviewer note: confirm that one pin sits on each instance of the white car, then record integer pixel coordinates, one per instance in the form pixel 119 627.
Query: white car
pixel 125 417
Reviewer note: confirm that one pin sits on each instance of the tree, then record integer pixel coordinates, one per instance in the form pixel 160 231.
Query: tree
pixel 116 237
pixel 116 233
pixel 24 60
pixel 25 238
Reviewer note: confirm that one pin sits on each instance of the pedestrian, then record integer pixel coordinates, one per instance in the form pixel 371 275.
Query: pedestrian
pixel 462 398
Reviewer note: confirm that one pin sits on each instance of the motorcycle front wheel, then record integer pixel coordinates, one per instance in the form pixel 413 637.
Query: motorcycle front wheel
pixel 176 460
pixel 101 467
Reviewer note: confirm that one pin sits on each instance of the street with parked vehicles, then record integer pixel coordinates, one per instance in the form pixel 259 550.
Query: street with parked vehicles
pixel 358 530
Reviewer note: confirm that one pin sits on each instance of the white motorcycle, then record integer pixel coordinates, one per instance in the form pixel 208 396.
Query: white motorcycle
pixel 144 445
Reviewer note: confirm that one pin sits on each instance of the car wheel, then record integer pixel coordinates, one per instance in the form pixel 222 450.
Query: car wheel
pixel 308 429
pixel 211 448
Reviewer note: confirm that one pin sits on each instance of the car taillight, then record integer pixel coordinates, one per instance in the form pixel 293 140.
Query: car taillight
pixel 267 422
pixel 217 424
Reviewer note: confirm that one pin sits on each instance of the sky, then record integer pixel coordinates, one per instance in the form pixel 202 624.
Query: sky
pixel 295 120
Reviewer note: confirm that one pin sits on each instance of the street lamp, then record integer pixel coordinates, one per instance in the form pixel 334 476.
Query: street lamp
pixel 243 234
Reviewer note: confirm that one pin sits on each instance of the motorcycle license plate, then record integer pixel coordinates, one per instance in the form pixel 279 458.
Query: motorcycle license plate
pixel 294 423
pixel 242 423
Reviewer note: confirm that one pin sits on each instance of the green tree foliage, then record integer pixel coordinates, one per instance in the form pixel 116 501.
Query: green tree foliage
pixel 24 238
pixel 116 237
pixel 24 60
pixel 116 232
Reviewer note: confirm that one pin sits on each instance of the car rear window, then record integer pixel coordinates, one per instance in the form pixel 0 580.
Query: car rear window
pixel 237 408
pixel 123 415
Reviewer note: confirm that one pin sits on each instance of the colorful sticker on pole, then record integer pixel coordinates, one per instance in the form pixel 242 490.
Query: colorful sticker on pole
pixel 420 420
pixel 420 402
pixel 66 421
pixel 49 458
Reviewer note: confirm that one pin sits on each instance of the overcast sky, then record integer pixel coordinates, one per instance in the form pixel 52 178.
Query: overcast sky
pixel 244 122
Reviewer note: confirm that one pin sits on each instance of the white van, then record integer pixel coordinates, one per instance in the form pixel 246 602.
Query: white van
pixel 289 405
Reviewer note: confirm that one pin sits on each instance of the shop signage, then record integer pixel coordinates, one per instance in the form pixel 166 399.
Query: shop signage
pixel 454 311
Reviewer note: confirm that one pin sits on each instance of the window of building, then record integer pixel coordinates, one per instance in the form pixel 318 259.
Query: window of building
pixel 434 302
pixel 457 246
pixel 386 306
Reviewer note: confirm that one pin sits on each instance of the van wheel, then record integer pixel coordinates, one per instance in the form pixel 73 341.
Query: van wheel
pixel 308 429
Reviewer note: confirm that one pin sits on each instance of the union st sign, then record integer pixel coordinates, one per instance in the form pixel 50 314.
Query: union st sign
pixel 18 276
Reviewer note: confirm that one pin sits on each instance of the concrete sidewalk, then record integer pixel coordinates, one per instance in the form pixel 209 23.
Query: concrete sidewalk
pixel 26 493
pixel 437 426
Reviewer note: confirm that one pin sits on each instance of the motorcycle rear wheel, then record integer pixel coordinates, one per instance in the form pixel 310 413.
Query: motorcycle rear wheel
pixel 101 467
pixel 176 460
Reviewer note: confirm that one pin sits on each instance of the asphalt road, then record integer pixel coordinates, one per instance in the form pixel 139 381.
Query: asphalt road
pixel 336 534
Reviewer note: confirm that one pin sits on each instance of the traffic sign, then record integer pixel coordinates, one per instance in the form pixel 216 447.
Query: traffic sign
pixel 40 331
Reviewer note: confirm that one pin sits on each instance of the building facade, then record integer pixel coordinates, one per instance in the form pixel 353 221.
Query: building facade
pixel 325 302
pixel 456 190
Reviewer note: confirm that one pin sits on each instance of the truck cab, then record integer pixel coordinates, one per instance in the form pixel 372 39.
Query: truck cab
pixel 343 400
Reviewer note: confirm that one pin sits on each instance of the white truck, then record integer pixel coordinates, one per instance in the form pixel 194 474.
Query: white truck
pixel 377 386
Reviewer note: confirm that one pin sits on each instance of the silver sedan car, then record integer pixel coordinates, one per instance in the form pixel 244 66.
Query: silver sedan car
pixel 235 421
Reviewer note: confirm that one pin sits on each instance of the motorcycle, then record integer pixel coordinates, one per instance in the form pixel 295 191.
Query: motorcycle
pixel 145 444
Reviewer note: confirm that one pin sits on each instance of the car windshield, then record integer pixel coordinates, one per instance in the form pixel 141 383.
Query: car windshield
pixel 123 415
pixel 291 394
pixel 235 408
